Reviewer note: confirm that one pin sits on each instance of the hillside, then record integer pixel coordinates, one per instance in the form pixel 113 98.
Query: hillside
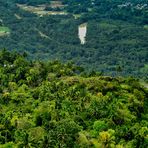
pixel 50 104
pixel 47 30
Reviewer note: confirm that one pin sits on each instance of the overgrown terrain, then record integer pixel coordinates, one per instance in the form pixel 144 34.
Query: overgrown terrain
pixel 48 100
pixel 116 34
pixel 50 104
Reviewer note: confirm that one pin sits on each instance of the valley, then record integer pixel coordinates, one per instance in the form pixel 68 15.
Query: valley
pixel 114 36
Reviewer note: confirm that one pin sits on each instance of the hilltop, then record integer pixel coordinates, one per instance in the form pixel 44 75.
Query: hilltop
pixel 50 104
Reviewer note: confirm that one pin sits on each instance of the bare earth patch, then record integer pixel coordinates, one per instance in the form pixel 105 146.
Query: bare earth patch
pixel 40 9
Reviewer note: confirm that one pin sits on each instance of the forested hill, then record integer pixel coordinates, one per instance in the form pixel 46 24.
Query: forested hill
pixel 117 32
pixel 50 104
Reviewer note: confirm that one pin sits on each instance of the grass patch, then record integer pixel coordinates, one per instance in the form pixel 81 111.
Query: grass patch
pixel 145 27
pixel 77 16
pixel 4 31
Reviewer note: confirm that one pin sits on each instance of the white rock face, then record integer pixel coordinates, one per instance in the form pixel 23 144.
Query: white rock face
pixel 82 33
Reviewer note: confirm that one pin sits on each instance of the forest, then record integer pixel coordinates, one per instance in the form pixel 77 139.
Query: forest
pixel 58 93
pixel 54 104
pixel 116 34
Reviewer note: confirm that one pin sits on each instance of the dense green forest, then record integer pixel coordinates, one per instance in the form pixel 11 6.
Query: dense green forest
pixel 117 33
pixel 50 104
pixel 58 93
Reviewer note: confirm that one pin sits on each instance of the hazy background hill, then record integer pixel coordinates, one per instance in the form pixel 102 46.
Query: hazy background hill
pixel 116 39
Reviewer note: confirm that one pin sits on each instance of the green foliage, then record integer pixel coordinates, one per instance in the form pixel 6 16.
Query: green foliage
pixel 99 125
pixel 9 145
pixel 4 29
pixel 50 104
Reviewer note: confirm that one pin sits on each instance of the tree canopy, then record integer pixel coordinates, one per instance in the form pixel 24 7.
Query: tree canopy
pixel 50 104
